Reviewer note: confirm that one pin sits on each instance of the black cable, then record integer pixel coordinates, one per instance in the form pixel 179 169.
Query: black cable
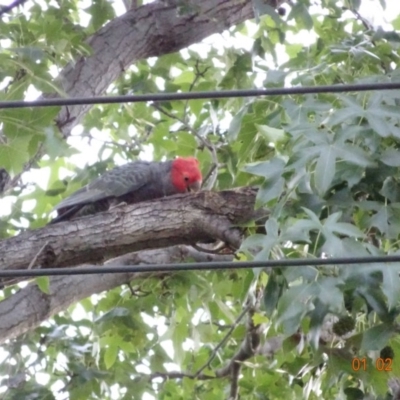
pixel 200 266
pixel 362 87
pixel 14 4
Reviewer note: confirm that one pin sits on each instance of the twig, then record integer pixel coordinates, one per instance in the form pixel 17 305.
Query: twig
pixel 366 24
pixel 196 78
pixel 167 113
pixel 137 291
pixel 212 175
pixel 210 171
pixel 112 143
pixel 32 263
pixel 218 325
pixel 223 341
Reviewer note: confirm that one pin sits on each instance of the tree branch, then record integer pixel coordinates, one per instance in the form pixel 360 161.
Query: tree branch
pixel 181 219
pixel 29 307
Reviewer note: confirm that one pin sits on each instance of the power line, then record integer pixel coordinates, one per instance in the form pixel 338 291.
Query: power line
pixel 362 87
pixel 200 266
pixel 8 8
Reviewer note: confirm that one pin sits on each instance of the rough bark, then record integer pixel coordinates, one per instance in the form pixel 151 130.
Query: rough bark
pixel 29 307
pixel 182 219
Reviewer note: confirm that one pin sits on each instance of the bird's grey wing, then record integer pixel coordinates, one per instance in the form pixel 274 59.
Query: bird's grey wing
pixel 114 183
pixel 81 196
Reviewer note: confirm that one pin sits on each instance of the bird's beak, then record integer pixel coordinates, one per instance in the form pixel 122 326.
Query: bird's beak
pixel 195 186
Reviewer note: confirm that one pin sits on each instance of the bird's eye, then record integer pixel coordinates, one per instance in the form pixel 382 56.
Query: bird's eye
pixel 186 178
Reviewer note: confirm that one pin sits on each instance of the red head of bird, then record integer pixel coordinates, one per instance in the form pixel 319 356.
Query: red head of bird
pixel 186 174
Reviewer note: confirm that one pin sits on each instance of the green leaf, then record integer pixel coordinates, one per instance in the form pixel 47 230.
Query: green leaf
pixel 391 283
pixel 300 12
pixel 110 355
pixel 186 143
pixel 114 313
pixel 391 157
pixel 353 155
pixel 101 11
pixel 185 77
pixel 313 217
pixel 271 134
pixel 391 189
pixel 343 228
pixel 56 146
pixel 236 124
pixel 299 230
pixel 261 8
pixel 293 305
pixel 316 321
pixel 325 169
pixel 268 169
pixel 386 220
pixel 269 190
pixel 272 291
pixel 375 300
pixel 196 106
pixel 259 319
pixel 376 337
pixel 396 23
pixel 330 294
pixel 344 114
pixel 379 125
pixel 253 241
pixel 271 239
pixel 43 283
pixel 14 154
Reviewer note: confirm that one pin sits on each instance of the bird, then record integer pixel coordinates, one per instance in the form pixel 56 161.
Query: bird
pixel 131 183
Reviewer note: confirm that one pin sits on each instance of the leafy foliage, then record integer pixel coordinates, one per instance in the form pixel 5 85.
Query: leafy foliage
pixel 328 169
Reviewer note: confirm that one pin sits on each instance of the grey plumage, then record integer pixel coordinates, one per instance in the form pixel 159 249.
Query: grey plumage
pixel 131 183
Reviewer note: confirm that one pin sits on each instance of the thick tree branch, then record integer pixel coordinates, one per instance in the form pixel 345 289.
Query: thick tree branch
pixel 181 219
pixel 29 307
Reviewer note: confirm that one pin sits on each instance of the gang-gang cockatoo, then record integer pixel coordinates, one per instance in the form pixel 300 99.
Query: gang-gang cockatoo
pixel 132 183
